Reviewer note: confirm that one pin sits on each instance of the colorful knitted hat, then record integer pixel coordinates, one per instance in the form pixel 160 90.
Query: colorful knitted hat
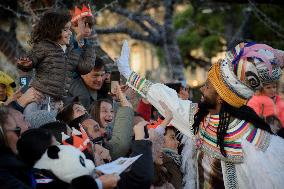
pixel 245 69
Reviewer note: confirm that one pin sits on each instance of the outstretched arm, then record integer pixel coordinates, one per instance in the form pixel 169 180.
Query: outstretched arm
pixel 183 110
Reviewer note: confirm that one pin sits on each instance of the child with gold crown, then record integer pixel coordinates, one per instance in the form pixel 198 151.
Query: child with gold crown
pixel 55 59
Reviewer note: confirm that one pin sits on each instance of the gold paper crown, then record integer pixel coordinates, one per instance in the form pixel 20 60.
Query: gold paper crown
pixel 214 75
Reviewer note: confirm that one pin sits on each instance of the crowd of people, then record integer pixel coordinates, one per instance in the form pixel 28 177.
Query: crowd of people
pixel 69 120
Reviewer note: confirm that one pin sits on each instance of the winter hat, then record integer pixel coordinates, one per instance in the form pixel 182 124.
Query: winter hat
pixel 40 117
pixel 9 82
pixel 245 69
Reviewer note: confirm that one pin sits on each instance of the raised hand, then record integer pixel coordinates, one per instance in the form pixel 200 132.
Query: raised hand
pixel 121 96
pixel 139 131
pixel 123 60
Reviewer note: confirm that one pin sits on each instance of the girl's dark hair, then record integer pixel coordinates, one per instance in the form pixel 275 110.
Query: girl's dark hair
pixel 49 27
pixel 169 128
pixel 226 113
pixel 66 114
pixel 95 109
pixel 89 19
pixel 161 175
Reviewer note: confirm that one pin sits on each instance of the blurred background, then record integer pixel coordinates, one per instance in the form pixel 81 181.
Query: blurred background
pixel 170 40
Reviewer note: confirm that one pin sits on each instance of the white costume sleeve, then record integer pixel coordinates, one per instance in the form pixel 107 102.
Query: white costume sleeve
pixel 183 110
pixel 262 169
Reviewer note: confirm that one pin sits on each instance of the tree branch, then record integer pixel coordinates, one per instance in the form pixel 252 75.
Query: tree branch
pixel 168 18
pixel 131 33
pixel 143 6
pixel 10 46
pixel 141 17
pixel 136 18
pixel 198 61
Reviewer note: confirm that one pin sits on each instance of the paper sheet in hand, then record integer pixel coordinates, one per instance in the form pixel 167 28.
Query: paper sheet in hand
pixel 117 166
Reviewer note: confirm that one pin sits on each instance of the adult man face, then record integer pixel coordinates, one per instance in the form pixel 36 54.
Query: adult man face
pixel 92 128
pixel 95 79
pixel 209 96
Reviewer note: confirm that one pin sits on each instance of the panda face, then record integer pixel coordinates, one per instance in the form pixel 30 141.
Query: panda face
pixel 82 161
pixel 65 162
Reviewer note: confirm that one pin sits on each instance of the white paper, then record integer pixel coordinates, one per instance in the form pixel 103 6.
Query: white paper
pixel 117 166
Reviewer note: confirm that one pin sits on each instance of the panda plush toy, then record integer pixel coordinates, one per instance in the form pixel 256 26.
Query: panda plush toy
pixel 64 167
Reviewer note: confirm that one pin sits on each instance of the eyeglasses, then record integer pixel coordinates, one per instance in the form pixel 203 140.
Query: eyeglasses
pixel 17 131
pixel 98 140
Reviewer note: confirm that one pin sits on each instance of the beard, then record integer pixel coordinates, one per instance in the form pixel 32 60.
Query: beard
pixel 207 104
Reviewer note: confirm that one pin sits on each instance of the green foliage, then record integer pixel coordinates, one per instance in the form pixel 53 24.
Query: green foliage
pixel 181 19
pixel 211 45
pixel 189 40
pixel 262 33
pixel 208 30
pixel 198 36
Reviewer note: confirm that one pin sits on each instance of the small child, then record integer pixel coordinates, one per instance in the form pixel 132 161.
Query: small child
pixel 54 59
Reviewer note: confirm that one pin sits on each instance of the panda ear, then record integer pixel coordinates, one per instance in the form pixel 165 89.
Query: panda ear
pixel 52 152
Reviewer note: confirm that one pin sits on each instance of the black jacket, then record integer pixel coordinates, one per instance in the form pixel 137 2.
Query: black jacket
pixel 141 173
pixel 14 174
pixel 54 67
pixel 47 180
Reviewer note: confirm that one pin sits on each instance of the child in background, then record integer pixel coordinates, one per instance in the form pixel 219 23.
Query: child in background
pixel 55 60
pixel 269 105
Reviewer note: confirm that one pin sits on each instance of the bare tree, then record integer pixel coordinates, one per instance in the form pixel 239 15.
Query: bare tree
pixel 161 35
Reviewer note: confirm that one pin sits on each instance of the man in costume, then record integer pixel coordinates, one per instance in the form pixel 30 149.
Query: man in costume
pixel 226 145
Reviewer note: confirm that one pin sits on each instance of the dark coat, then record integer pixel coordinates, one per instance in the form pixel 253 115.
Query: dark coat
pixel 54 68
pixel 141 173
pixel 14 174
pixel 47 180
pixel 174 171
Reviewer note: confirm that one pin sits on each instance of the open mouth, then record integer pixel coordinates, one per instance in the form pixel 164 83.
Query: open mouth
pixel 108 120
